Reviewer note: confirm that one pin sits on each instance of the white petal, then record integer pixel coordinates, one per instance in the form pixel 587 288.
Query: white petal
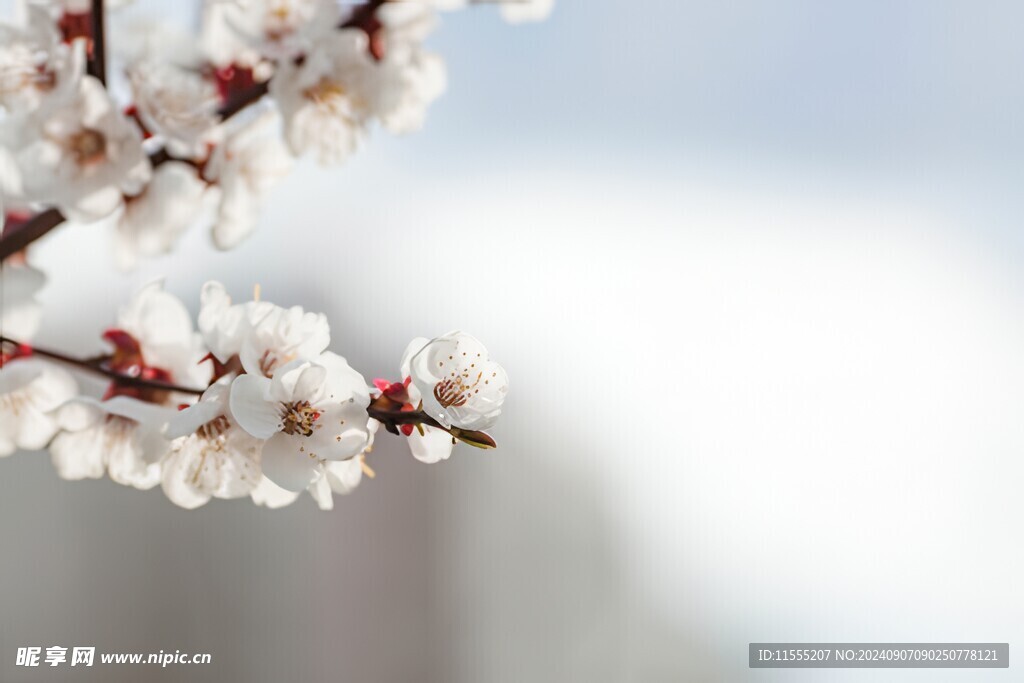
pixel 414 347
pixel 54 388
pixel 35 429
pixel 310 383
pixel 342 382
pixel 222 325
pixel 178 475
pixel 344 475
pixel 286 378
pixel 79 414
pixel 288 463
pixel 341 432
pixel 321 492
pixel 435 445
pixel 79 455
pixel 253 408
pixel 161 324
pixel 271 495
pixel 129 449
pixel 192 418
pixel 526 10
pixel 138 411
pixel 19 373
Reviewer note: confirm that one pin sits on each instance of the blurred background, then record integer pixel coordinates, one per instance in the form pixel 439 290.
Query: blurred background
pixel 755 270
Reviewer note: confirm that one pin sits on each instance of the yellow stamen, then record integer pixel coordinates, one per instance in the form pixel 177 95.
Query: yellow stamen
pixel 367 470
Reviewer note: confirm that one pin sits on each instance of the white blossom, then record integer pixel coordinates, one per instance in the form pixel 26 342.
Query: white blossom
pixel 278 336
pixel 326 100
pixel 162 327
pixel 414 77
pixel 341 477
pixel 177 104
pixel 222 44
pixel 121 436
pixel 520 11
pixel 35 65
pixel 329 99
pixel 210 456
pixel 30 392
pixel 21 312
pixel 460 385
pixel 244 167
pixel 83 157
pixel 430 445
pixel 243 31
pixel 225 326
pixel 263 335
pixel 152 221
pixel 309 413
pixel 270 495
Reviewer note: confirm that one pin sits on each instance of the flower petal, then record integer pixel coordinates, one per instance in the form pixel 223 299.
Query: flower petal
pixel 269 494
pixel 253 408
pixel 320 490
pixel 344 475
pixel 343 431
pixel 19 373
pixel 178 476
pixel 288 463
pixel 79 455
pixel 434 446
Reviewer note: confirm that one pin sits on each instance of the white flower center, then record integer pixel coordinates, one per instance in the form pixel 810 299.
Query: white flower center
pixel 333 98
pixel 88 146
pixel 299 418
pixel 325 91
pixel 214 429
pixel 455 391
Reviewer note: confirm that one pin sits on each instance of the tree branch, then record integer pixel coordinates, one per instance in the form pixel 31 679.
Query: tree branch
pixel 97 65
pixel 94 366
pixel 379 409
pixel 392 418
pixel 17 238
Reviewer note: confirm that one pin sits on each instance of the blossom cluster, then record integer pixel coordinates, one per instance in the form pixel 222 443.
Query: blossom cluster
pixel 196 128
pixel 246 402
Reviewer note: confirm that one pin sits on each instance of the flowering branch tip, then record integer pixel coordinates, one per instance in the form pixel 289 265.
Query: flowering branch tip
pixel 276 414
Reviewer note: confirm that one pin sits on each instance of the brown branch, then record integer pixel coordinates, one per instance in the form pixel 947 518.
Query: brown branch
pixel 97 65
pixel 380 409
pixel 17 238
pixel 392 418
pixel 95 366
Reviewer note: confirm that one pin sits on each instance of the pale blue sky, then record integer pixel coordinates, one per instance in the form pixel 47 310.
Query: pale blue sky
pixel 915 99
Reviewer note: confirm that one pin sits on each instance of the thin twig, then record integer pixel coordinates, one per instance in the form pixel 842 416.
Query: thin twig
pixel 94 366
pixel 17 238
pixel 97 65
pixel 390 418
